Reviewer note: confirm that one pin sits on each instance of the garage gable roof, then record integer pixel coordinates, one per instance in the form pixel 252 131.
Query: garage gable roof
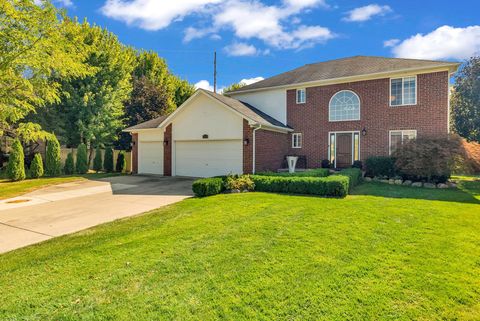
pixel 245 110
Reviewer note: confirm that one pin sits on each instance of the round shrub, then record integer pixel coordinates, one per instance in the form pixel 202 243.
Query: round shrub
pixel 380 166
pixel 121 164
pixel 36 168
pixel 208 186
pixel 16 165
pixel 325 163
pixel 357 164
pixel 69 164
pixel 97 161
pixel 82 161
pixel 53 165
pixel 108 160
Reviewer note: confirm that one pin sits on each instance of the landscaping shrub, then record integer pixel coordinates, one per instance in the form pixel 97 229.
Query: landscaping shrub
pixel 97 161
pixel 208 186
pixel 121 164
pixel 354 176
pixel 69 168
pixel 53 166
pixel 108 160
pixel 325 163
pixel 318 172
pixel 336 185
pixel 429 159
pixel 357 164
pixel 380 166
pixel 239 182
pixel 16 165
pixel 36 167
pixel 82 159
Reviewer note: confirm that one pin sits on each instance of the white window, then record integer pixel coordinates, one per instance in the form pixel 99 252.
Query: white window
pixel 344 105
pixel 403 91
pixel 399 137
pixel 297 140
pixel 301 96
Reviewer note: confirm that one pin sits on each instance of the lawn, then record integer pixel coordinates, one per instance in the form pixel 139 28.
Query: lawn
pixel 11 189
pixel 385 253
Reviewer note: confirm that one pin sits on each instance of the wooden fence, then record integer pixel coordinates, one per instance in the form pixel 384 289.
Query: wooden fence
pixel 128 155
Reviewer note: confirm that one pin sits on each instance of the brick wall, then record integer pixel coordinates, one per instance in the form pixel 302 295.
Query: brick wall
pixel 247 149
pixel 167 151
pixel 135 153
pixel 429 117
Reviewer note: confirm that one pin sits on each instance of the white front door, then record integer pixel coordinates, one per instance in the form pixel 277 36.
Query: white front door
pixel 150 157
pixel 208 158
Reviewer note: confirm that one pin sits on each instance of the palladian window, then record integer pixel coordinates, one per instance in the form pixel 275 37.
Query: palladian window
pixel 344 105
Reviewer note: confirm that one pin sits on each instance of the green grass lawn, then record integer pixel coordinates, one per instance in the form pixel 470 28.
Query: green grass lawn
pixel 11 189
pixel 385 253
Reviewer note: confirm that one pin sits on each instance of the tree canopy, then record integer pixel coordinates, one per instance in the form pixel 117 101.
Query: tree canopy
pixel 233 87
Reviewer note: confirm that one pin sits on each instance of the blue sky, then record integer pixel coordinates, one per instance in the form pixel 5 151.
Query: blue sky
pixel 260 38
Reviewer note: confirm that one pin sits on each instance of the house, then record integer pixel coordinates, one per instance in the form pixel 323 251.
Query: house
pixel 341 110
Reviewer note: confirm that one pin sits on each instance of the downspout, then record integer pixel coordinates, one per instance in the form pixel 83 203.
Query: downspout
pixel 254 152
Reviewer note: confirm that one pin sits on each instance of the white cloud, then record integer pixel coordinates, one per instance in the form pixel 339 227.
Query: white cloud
pixel 391 42
pixel 203 84
pixel 367 12
pixel 445 42
pixel 240 49
pixel 154 14
pixel 248 81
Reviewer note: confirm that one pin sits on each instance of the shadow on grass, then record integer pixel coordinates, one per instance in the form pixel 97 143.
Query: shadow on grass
pixel 467 192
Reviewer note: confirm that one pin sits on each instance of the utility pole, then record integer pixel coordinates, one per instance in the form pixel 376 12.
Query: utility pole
pixel 215 71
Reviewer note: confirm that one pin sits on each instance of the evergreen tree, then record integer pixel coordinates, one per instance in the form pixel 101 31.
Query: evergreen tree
pixel 97 162
pixel 69 168
pixel 16 162
pixel 36 168
pixel 82 160
pixel 121 162
pixel 53 166
pixel 108 160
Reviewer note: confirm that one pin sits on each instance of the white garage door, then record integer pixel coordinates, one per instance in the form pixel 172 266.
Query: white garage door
pixel 150 157
pixel 208 158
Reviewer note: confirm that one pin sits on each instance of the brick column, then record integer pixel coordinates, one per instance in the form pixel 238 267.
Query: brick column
pixel 167 151
pixel 134 153
pixel 247 149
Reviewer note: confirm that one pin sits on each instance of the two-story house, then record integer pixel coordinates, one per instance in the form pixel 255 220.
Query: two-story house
pixel 341 110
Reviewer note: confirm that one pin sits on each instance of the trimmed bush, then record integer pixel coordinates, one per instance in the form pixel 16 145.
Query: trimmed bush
pixel 36 168
pixel 108 160
pixel 318 172
pixel 208 186
pixel 53 165
pixel 336 185
pixel 69 168
pixel 325 163
pixel 354 176
pixel 380 166
pixel 97 161
pixel 82 159
pixel 16 162
pixel 121 164
pixel 239 182
pixel 357 164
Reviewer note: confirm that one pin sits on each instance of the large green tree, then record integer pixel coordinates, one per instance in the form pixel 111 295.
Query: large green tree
pixel 465 101
pixel 38 46
pixel 233 87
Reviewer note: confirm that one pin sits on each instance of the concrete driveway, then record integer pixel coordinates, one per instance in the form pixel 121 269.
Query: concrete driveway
pixel 71 207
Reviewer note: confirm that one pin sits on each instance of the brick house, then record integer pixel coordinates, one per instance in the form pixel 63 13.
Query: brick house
pixel 341 110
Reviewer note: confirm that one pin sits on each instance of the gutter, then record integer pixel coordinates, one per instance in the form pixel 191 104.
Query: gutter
pixel 254 149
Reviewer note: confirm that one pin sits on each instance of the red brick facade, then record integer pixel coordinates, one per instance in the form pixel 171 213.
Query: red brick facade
pixel 135 153
pixel 429 116
pixel 247 149
pixel 167 151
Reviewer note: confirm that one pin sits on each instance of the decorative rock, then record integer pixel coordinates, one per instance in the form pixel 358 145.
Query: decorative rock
pixel 377 179
pixel 441 185
pixel 235 191
pixel 384 181
pixel 391 181
pixel 429 185
pixel 398 182
pixel 407 183
pixel 417 184
pixel 451 184
pixel 368 179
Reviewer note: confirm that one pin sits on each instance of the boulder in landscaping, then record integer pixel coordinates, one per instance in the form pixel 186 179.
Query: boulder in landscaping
pixel 407 183
pixel 417 184
pixel 398 182
pixel 429 185
pixel 441 185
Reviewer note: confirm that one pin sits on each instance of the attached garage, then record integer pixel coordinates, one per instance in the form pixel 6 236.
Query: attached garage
pixel 150 157
pixel 208 158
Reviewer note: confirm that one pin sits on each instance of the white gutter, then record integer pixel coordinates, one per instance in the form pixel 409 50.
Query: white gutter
pixel 253 156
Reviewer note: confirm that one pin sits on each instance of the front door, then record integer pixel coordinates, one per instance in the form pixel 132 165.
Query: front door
pixel 344 150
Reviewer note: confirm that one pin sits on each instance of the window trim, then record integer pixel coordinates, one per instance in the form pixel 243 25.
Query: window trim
pixel 353 132
pixel 359 107
pixel 293 140
pixel 403 92
pixel 398 130
pixel 304 95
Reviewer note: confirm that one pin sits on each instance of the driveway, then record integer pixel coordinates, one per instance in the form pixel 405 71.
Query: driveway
pixel 71 207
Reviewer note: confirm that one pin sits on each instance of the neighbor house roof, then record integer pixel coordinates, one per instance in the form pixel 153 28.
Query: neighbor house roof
pixel 344 68
pixel 246 110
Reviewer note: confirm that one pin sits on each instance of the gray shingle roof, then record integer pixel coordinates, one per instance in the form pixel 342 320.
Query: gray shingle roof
pixel 344 67
pixel 152 123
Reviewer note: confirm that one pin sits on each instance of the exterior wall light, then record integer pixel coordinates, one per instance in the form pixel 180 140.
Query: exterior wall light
pixel 364 131
pixel 246 141
pixel 165 142
pixel 205 136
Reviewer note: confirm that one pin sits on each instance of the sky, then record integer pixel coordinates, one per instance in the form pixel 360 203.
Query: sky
pixel 256 39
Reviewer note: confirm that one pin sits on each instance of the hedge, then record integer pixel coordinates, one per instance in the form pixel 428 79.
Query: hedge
pixel 53 165
pixel 36 168
pixel 336 185
pixel 82 161
pixel 208 186
pixel 380 166
pixel 318 172
pixel 16 165
pixel 354 176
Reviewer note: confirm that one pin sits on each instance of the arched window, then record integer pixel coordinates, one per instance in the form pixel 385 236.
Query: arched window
pixel 344 105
